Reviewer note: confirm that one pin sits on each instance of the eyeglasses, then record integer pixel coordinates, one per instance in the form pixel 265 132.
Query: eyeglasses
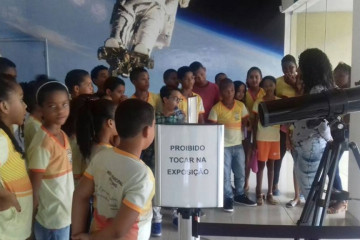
pixel 176 99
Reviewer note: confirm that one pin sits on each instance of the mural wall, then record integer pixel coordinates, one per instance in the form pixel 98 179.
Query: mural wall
pixel 229 41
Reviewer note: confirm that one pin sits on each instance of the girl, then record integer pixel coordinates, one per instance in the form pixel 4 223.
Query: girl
pixel 267 141
pixel 187 80
pixel 15 186
pixel 254 92
pixel 78 161
pixel 50 165
pixel 240 91
pixel 114 88
pixel 309 137
pixel 95 128
pixel 286 88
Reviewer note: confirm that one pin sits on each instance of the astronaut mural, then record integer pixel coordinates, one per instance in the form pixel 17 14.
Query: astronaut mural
pixel 137 26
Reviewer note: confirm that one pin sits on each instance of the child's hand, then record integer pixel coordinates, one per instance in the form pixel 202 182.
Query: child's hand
pixel 8 200
pixel 81 236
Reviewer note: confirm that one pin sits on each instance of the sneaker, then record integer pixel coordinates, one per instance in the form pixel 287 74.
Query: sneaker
pixel 244 200
pixel 156 229
pixel 228 205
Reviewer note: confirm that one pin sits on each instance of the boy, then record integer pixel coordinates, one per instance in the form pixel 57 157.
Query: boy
pixel 99 74
pixel 78 82
pixel 170 78
pixel 208 91
pixel 123 184
pixel 139 77
pixel 186 78
pixel 232 114
pixel 219 77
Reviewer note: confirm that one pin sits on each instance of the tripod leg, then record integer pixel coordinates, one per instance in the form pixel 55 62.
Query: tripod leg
pixel 338 152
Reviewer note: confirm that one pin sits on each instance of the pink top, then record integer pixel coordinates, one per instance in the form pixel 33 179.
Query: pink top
pixel 210 96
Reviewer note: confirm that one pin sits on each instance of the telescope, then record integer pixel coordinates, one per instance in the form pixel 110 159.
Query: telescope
pixel 325 105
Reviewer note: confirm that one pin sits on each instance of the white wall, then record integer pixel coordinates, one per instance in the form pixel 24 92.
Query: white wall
pixel 354 171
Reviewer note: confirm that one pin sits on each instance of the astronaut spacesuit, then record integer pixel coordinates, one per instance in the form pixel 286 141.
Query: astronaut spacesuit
pixel 137 26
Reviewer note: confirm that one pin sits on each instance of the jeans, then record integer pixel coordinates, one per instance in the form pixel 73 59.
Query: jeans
pixel 42 233
pixel 306 162
pixel 234 159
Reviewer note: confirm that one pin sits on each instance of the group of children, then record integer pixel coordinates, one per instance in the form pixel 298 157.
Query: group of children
pixel 102 144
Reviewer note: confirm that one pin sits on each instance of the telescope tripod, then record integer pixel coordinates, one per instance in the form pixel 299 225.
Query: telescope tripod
pixel 319 196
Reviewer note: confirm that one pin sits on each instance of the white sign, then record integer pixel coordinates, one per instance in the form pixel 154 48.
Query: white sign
pixel 189 165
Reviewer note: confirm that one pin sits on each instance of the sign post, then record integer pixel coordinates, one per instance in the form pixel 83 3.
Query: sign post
pixel 189 169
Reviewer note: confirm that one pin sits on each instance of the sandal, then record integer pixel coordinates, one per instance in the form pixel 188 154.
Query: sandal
pixel 260 199
pixel 270 200
pixel 338 207
pixel 292 203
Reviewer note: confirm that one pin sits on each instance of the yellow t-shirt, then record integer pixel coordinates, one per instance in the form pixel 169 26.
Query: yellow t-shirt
pixel 121 178
pixel 14 178
pixel 48 156
pixel 231 118
pixel 266 134
pixel 249 101
pixel 31 126
pixel 283 89
pixel 154 100
pixel 183 105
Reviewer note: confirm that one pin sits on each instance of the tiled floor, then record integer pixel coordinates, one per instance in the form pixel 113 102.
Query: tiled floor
pixel 266 214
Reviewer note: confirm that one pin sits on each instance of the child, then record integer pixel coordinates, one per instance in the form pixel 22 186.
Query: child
pixel 140 78
pixel 7 69
pixel 267 140
pixel 170 114
pixel 95 131
pixel 33 122
pixel 232 114
pixel 95 127
pixel 342 79
pixel 219 77
pixel 240 91
pixel 286 88
pixel 99 74
pixel 78 161
pixel 186 78
pixel 240 95
pixel 170 78
pixel 123 184
pixel 254 92
pixel 342 75
pixel 78 82
pixel 50 165
pixel 208 91
pixel 114 88
pixel 15 186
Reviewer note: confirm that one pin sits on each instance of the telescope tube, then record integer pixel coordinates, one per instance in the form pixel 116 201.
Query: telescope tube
pixel 327 104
